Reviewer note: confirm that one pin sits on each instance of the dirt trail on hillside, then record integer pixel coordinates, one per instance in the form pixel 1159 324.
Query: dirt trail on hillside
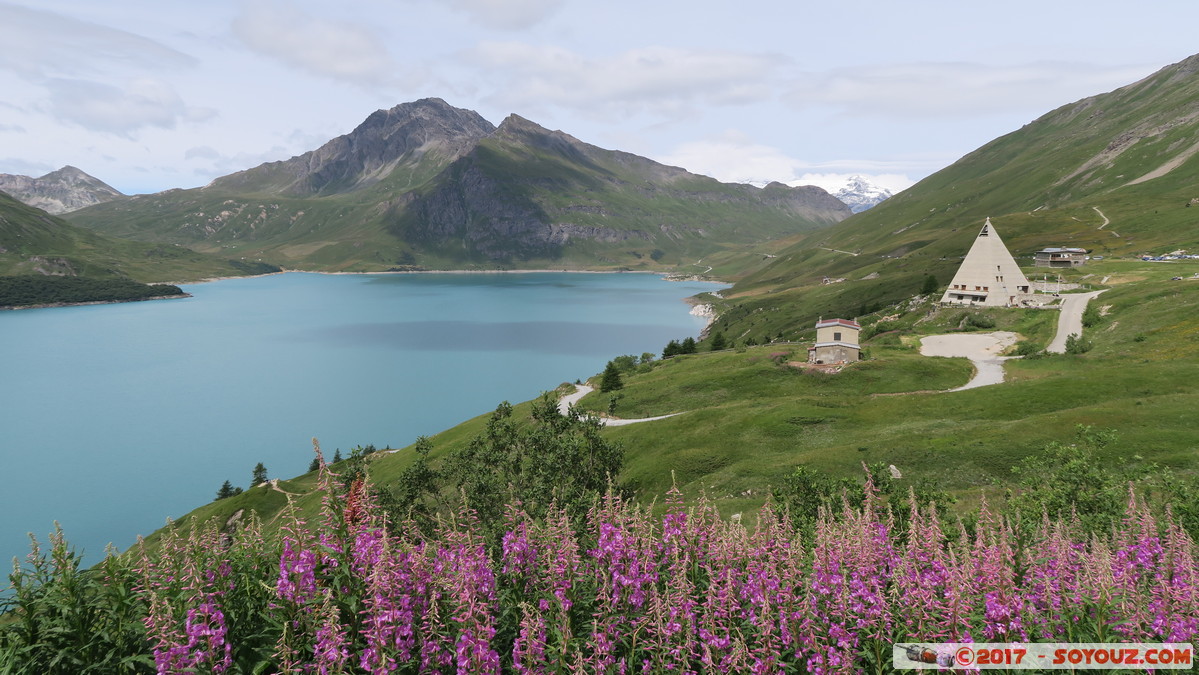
pixel 582 390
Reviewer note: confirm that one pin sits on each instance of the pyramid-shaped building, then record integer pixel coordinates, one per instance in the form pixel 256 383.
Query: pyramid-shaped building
pixel 989 276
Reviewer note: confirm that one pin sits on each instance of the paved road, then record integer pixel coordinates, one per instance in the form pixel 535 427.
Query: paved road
pixel 582 390
pixel 981 348
pixel 1070 321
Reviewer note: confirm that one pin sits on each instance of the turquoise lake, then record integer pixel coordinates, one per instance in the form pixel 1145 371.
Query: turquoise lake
pixel 115 417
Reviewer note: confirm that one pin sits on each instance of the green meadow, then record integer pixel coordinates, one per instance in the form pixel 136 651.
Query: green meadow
pixel 750 416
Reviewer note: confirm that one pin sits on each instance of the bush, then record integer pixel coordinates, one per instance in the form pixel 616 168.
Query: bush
pixel 1076 344
pixel 880 327
pixel 1028 348
pixel 979 321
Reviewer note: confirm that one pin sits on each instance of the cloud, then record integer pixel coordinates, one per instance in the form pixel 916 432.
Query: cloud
pixel 209 163
pixel 955 89
pixel 895 182
pixel 93 76
pixel 661 80
pixel 23 167
pixel 507 14
pixel 40 44
pixel 334 49
pixel 117 110
pixel 734 158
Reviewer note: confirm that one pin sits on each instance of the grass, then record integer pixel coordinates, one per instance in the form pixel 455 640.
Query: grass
pixel 748 419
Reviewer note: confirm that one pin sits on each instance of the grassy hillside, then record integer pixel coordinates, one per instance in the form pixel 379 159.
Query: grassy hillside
pixel 34 242
pixel 1114 173
pixel 1073 178
pixel 749 419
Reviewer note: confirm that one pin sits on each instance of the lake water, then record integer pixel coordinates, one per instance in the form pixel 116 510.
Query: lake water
pixel 115 417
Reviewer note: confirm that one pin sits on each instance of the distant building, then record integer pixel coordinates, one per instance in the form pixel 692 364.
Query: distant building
pixel 989 275
pixel 836 342
pixel 1060 257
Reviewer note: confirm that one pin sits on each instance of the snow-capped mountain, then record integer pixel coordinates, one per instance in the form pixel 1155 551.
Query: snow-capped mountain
pixel 860 194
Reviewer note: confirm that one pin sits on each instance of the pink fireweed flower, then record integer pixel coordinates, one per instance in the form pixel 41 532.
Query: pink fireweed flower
pixel 206 643
pixel 297 574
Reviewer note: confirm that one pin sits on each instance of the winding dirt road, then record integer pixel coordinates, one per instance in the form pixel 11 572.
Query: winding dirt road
pixel 582 390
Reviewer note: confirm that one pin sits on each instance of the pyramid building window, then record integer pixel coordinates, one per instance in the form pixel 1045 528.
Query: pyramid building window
pixel 991 271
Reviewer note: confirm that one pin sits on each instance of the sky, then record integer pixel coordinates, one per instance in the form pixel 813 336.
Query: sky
pixel 149 95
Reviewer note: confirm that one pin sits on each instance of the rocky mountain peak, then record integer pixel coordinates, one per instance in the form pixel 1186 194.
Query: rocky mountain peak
pixel 369 153
pixel 859 193
pixel 61 191
pixel 517 128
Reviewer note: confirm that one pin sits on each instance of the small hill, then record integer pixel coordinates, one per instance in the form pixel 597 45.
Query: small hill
pixel 428 185
pixel 58 192
pixel 33 242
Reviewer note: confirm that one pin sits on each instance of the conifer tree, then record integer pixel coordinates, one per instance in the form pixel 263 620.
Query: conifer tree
pixel 688 346
pixel 611 379
pixel 718 342
pixel 672 349
pixel 227 490
pixel 930 285
pixel 259 475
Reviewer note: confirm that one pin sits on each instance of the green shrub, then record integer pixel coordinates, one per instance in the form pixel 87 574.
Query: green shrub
pixel 1076 344
pixel 1029 348
pixel 979 321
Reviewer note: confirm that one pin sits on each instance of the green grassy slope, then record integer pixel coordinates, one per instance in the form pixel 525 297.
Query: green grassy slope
pixel 749 419
pixel 1052 183
pixel 34 242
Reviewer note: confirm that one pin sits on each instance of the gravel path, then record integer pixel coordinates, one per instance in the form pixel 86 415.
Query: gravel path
pixel 582 390
pixel 1070 320
pixel 981 348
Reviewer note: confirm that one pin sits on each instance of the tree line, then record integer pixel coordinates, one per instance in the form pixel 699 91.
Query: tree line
pixel 36 289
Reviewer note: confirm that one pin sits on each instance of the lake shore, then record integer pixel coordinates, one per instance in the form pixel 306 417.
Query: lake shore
pixel 663 274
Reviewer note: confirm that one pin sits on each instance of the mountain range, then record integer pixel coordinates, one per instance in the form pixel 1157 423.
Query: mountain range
pixel 428 185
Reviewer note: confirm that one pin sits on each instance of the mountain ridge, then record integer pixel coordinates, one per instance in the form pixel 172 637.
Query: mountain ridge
pixel 34 242
pixel 430 186
pixel 372 150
